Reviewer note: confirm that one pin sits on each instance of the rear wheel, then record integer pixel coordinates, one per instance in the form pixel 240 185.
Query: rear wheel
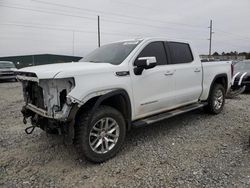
pixel 102 136
pixel 216 99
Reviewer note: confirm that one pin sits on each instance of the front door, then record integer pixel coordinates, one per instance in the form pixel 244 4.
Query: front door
pixel 153 90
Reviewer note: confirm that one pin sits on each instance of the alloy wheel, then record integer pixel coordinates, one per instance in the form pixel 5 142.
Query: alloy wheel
pixel 104 135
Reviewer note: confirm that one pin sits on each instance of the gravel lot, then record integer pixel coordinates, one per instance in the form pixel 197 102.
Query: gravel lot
pixel 191 150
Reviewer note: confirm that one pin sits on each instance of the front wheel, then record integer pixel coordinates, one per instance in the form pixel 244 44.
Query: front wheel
pixel 102 136
pixel 216 99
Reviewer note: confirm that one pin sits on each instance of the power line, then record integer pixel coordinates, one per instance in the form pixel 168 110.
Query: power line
pixel 44 26
pixel 221 35
pixel 233 34
pixel 230 44
pixel 65 29
pixel 138 24
pixel 92 32
pixel 131 17
pixel 84 17
pixel 90 18
pixel 62 28
pixel 137 5
pixel 45 11
pixel 116 14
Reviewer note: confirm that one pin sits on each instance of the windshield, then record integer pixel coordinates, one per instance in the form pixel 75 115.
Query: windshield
pixel 114 53
pixel 243 66
pixel 4 65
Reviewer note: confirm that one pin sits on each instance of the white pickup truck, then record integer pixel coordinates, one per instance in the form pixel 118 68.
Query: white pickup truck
pixel 95 101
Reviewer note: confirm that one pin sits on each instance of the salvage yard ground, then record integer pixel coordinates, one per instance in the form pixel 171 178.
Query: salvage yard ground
pixel 191 150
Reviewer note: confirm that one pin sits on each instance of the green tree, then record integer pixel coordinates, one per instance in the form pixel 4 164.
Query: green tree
pixel 216 54
pixel 248 56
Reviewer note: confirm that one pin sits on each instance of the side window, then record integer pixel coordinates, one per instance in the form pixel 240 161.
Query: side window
pixel 180 52
pixel 157 50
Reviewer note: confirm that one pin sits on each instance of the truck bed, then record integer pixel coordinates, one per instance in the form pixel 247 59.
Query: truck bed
pixel 210 70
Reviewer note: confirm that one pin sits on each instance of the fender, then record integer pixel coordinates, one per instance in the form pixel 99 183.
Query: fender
pixel 223 75
pixel 111 94
pixel 75 108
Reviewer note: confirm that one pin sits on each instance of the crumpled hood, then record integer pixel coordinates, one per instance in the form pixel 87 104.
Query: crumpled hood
pixel 61 70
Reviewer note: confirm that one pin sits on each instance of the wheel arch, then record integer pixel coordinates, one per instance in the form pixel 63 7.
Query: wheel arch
pixel 221 79
pixel 118 99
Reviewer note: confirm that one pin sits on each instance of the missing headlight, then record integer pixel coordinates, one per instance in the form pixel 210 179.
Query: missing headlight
pixel 63 95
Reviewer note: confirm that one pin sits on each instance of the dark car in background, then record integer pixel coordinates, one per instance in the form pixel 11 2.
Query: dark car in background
pixel 242 74
pixel 7 70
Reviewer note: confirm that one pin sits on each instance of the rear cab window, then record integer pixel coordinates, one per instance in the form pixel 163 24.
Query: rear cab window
pixel 179 52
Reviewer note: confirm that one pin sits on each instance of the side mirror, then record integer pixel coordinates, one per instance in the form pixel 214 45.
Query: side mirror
pixel 144 63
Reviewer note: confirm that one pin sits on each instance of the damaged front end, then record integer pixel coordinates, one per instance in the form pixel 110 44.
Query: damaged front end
pixel 47 103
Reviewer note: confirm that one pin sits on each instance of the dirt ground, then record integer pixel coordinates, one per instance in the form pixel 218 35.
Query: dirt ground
pixel 191 150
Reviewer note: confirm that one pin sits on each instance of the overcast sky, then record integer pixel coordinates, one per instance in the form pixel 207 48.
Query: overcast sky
pixel 70 27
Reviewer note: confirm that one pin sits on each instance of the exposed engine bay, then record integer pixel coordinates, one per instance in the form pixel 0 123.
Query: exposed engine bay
pixel 48 97
pixel 46 102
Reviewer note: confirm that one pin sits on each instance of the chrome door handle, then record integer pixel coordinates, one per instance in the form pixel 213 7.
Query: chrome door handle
pixel 197 70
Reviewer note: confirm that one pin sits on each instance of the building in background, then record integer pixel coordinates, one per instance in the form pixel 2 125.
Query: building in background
pixel 223 57
pixel 39 59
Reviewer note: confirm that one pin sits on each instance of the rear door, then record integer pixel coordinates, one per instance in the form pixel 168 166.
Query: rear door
pixel 188 73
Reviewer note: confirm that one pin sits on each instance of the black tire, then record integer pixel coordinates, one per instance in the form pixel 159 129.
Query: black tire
pixel 83 129
pixel 211 107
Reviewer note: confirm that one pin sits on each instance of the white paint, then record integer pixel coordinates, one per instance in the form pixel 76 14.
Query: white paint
pixel 183 85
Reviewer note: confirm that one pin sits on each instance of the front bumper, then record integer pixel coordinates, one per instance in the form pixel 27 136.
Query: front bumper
pixel 7 74
pixel 61 126
pixel 59 116
pixel 7 77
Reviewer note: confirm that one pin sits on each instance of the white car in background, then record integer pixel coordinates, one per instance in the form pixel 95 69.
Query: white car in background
pixel 7 70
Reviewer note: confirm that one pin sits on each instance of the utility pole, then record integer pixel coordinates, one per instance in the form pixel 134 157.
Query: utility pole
pixel 73 43
pixel 210 37
pixel 33 60
pixel 99 37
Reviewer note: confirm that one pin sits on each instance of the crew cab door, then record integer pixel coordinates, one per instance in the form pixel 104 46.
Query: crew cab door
pixel 153 89
pixel 188 73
